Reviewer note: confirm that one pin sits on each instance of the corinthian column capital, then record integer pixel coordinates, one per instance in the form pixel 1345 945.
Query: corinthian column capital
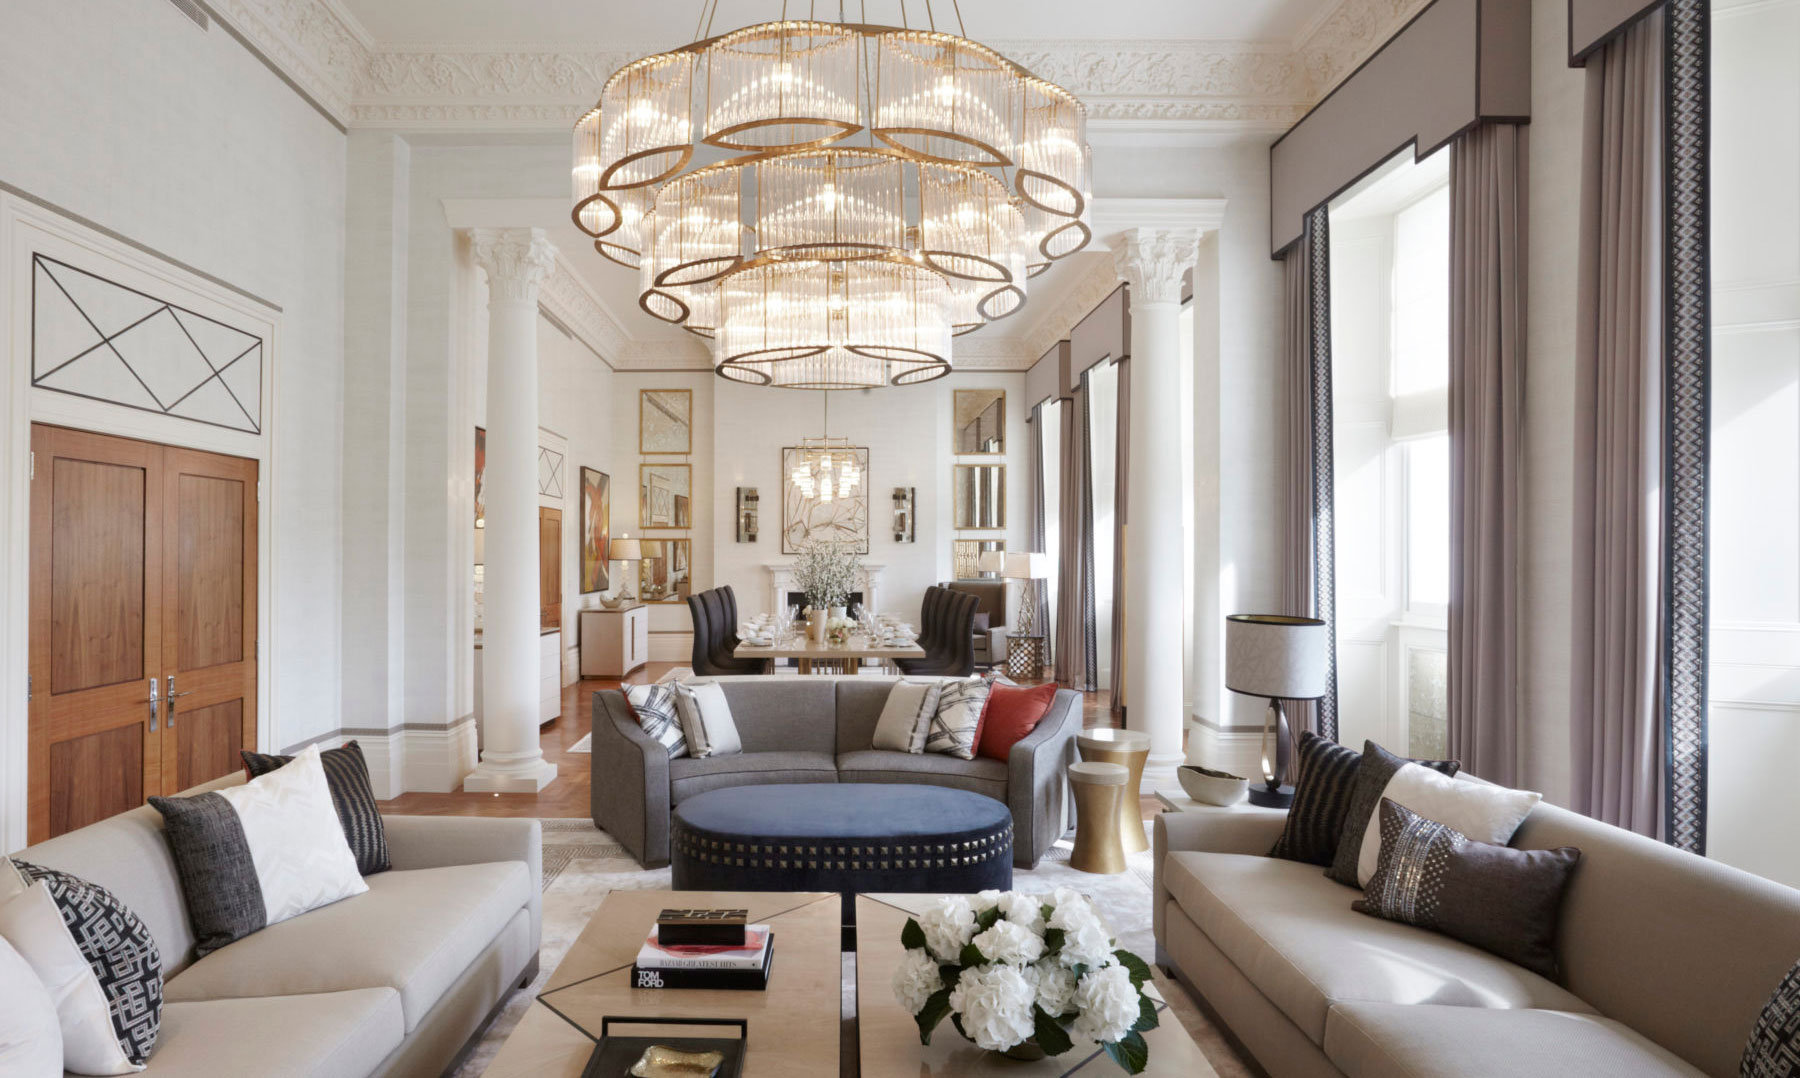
pixel 1153 260
pixel 516 260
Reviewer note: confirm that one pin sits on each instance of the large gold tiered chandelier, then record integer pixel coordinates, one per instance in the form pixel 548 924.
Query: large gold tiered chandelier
pixel 829 203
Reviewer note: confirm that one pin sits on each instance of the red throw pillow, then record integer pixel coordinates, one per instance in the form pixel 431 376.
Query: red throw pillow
pixel 1011 714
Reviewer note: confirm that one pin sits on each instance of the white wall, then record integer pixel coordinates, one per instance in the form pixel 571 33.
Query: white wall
pixel 127 114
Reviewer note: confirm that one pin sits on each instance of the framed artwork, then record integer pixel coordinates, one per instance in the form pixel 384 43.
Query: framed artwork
pixel 480 475
pixel 596 530
pixel 665 420
pixel 841 520
pixel 665 496
pixel 965 557
pixel 980 424
pixel 664 575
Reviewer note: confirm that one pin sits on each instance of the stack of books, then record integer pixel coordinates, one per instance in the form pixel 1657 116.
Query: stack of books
pixel 693 949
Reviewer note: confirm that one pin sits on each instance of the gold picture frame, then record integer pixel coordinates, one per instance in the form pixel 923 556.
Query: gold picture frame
pixel 666 421
pixel 665 575
pixel 965 556
pixel 665 496
pixel 978 422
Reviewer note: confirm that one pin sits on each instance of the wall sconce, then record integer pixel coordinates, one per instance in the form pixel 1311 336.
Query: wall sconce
pixel 747 506
pixel 905 529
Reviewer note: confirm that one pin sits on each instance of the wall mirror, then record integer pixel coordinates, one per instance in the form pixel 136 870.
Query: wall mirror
pixel 665 575
pixel 965 557
pixel 665 496
pixel 980 422
pixel 665 420
pixel 980 496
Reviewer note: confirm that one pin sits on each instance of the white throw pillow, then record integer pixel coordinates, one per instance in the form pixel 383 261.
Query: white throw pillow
pixel 34 927
pixel 1479 811
pixel 706 719
pixel 906 716
pixel 31 1044
pixel 303 861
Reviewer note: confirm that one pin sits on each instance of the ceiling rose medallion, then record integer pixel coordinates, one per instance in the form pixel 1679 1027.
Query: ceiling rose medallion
pixel 829 203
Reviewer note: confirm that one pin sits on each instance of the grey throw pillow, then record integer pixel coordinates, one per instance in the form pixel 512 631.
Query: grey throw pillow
pixel 1502 900
pixel 1373 771
pixel 1321 800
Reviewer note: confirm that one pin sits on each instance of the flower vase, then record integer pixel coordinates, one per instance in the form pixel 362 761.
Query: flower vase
pixel 838 612
pixel 815 627
pixel 1026 1051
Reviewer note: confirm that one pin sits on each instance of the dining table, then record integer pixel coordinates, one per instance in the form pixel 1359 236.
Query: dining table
pixel 816 656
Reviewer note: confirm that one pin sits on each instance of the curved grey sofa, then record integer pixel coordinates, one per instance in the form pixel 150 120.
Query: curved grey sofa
pixel 818 729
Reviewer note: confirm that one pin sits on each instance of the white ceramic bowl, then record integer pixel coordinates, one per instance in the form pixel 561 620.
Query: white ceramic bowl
pixel 1212 787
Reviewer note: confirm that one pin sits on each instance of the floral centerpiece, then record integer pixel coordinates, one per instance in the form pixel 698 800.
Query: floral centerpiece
pixel 837 631
pixel 825 572
pixel 1015 971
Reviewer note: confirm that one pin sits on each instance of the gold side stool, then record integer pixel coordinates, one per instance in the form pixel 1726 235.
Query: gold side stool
pixel 1129 748
pixel 1099 801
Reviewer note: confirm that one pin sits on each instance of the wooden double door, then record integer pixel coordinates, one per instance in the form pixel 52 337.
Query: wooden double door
pixel 143 623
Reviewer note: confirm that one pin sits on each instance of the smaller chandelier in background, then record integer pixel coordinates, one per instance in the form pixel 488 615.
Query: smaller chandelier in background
pixel 864 194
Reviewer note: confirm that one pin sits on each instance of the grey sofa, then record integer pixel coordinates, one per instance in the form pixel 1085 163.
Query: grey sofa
pixel 392 982
pixel 818 729
pixel 1666 958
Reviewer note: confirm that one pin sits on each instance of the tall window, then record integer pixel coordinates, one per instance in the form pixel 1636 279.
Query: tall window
pixel 1754 677
pixel 1050 415
pixel 1103 414
pixel 1390 310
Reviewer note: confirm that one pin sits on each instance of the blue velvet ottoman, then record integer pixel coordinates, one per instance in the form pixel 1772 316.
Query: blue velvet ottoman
pixel 845 837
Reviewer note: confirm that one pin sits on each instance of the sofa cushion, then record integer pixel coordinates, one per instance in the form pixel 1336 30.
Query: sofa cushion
pixel 980 775
pixel 1292 932
pixel 316 1035
pixel 696 775
pixel 413 931
pixel 1389 1040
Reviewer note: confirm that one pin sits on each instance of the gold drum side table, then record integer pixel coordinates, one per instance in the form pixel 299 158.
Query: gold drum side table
pixel 1099 800
pixel 1130 749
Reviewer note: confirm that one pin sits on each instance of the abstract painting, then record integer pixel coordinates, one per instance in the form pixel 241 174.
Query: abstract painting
pixel 840 520
pixel 596 530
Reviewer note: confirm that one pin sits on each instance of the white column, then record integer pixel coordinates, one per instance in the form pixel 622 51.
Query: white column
pixel 516 260
pixel 1152 261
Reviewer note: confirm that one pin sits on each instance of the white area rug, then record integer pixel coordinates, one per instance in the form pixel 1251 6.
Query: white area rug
pixel 586 744
pixel 583 863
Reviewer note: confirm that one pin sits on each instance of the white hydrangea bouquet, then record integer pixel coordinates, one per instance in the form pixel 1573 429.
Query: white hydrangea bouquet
pixel 1012 970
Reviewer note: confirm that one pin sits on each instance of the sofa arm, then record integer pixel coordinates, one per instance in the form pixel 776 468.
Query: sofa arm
pixel 440 841
pixel 1037 770
pixel 1247 829
pixel 629 795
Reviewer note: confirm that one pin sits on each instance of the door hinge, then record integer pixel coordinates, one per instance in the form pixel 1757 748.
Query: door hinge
pixel 31 466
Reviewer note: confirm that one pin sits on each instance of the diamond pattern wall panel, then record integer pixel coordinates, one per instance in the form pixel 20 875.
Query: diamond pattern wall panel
pixel 95 338
pixel 550 473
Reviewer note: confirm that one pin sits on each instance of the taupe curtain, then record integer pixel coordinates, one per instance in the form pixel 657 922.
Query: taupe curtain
pixel 1487 433
pixel 1038 528
pixel 1121 519
pixel 1617 677
pixel 1076 652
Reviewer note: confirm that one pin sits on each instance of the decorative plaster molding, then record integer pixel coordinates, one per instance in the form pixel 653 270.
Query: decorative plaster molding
pixel 315 43
pixel 1345 38
pixel 517 260
pixel 1058 322
pixel 1152 261
pixel 566 296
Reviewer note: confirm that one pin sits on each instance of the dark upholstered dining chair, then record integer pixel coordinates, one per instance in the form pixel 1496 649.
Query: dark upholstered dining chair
pixel 951 620
pixel 715 636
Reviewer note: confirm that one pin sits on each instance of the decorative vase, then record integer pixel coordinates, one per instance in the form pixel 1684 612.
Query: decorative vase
pixel 1026 1051
pixel 838 612
pixel 815 627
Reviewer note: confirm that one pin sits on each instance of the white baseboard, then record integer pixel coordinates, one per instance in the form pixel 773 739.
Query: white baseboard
pixel 437 760
pixel 386 756
pixel 672 646
pixel 1237 751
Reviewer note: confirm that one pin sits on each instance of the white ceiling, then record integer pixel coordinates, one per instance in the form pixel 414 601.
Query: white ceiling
pixel 660 23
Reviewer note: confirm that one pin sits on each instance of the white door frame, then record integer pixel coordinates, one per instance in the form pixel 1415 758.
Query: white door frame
pixel 26 227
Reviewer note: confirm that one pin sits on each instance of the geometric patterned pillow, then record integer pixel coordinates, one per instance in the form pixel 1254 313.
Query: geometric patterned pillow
pixel 1773 1050
pixel 658 714
pixel 118 945
pixel 956 727
pixel 347 774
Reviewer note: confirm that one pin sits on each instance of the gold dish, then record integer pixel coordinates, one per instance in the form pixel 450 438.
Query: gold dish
pixel 660 1061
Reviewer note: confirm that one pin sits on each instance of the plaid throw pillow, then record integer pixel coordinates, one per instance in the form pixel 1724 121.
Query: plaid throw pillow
pixel 347 774
pixel 657 713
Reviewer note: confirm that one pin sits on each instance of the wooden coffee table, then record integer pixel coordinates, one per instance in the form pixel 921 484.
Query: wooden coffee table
pixel 795 1024
pixel 888 1038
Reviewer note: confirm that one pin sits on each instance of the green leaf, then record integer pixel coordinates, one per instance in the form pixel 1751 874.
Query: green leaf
pixel 950 974
pixel 1129 1052
pixel 1140 972
pixel 1078 970
pixel 971 956
pixel 986 918
pixel 1046 910
pixel 937 1005
pixel 956 1020
pixel 912 936
pixel 1147 1018
pixel 1051 1036
pixel 1053 940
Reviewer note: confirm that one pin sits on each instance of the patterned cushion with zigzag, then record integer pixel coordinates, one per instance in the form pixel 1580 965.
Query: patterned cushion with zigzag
pixel 119 947
pixel 956 728
pixel 1773 1050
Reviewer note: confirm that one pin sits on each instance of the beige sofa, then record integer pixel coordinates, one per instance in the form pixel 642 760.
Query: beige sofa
pixel 392 982
pixel 1667 960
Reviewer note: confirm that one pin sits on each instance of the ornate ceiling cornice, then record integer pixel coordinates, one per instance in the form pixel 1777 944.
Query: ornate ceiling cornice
pixel 1196 85
pixel 565 295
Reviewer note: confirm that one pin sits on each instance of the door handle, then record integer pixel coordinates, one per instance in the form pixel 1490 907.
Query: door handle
pixel 153 705
pixel 170 695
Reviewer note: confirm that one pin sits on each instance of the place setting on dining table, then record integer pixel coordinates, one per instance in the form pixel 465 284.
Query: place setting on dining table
pixel 827 641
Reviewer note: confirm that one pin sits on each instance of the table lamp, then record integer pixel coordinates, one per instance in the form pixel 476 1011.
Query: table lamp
pixel 1283 658
pixel 628 550
pixel 1027 566
pixel 991 561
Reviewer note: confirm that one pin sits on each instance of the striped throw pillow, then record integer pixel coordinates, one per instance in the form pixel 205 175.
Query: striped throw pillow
pixel 347 774
pixel 657 713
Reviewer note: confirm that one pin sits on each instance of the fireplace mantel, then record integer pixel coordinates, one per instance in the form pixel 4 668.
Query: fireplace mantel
pixel 868 581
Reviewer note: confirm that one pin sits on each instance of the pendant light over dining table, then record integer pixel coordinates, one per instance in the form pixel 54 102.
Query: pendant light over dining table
pixel 829 203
